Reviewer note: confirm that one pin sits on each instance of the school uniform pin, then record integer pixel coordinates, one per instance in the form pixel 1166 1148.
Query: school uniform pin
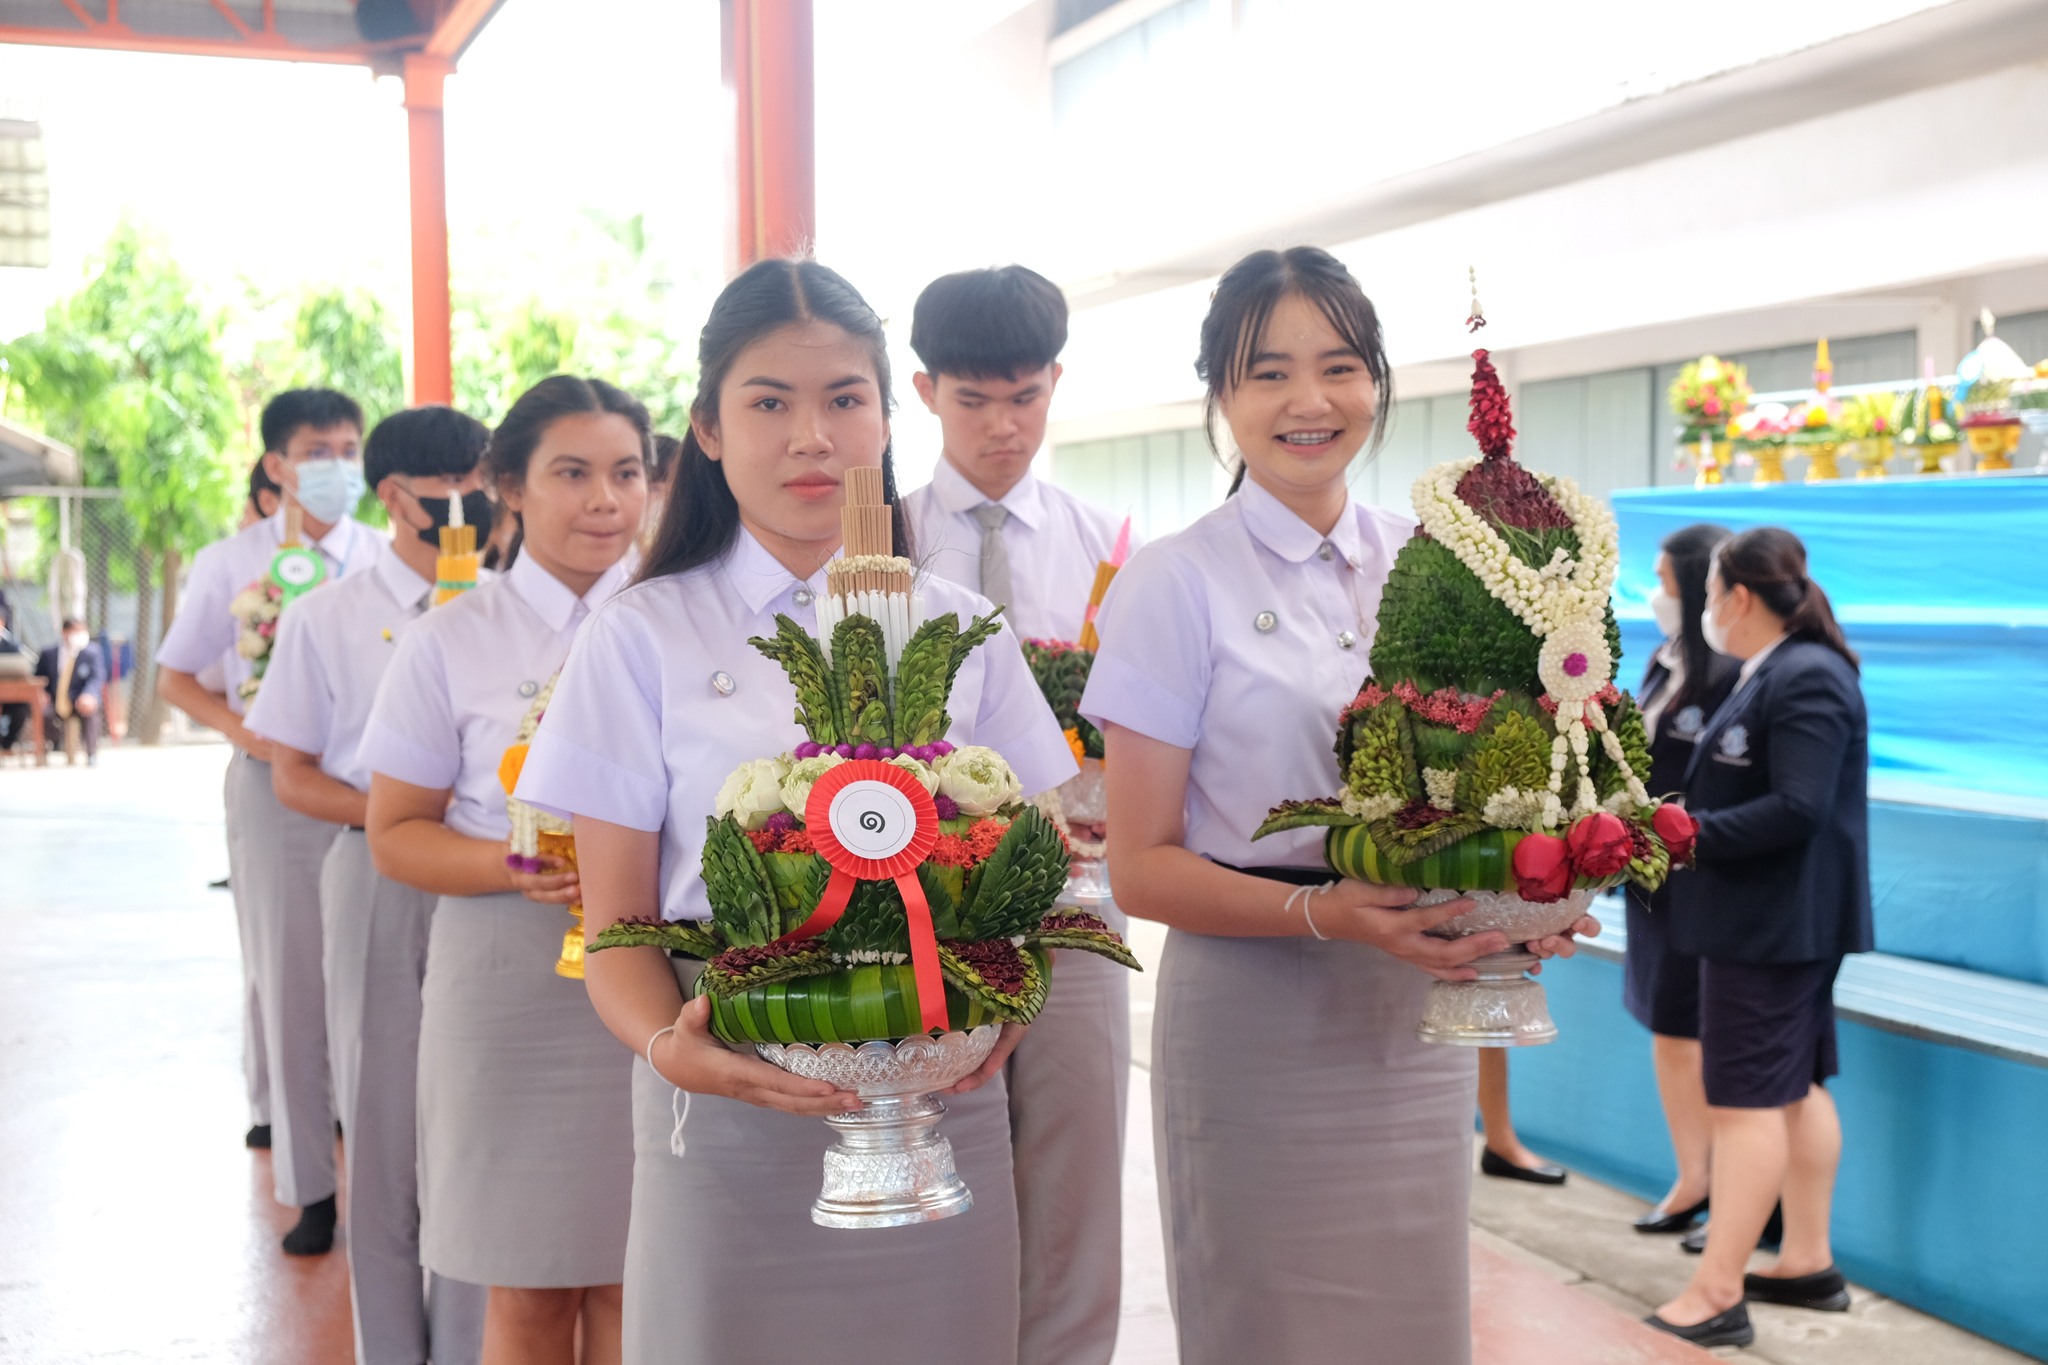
pixel 529 689
pixel 722 683
pixel 1265 623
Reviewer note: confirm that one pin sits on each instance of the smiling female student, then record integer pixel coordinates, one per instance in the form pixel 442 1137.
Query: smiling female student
pixel 661 699
pixel 1314 1156
pixel 525 1137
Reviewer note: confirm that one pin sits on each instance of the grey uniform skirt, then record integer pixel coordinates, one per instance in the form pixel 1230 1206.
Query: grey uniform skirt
pixel 725 1265
pixel 1315 1158
pixel 526 1142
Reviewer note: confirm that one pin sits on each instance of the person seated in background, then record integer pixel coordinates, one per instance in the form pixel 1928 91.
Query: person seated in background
pixel 14 716
pixel 264 496
pixel 76 668
pixel 661 476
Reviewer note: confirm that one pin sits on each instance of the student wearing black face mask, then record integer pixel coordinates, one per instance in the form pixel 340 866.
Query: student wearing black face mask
pixel 331 653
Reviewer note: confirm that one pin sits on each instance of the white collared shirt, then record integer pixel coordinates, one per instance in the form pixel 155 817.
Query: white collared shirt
pixel 1756 661
pixel 204 630
pixel 663 697
pixel 1229 639
pixel 1055 540
pixel 462 680
pixel 331 652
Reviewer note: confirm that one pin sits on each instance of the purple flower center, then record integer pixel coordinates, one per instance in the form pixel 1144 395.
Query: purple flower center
pixel 1575 665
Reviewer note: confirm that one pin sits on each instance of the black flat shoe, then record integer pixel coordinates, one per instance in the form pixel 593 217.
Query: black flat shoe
pixel 1493 1164
pixel 1824 1291
pixel 1656 1220
pixel 1723 1329
pixel 257 1139
pixel 1695 1241
pixel 314 1235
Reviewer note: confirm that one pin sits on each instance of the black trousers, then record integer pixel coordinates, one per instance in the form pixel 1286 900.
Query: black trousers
pixel 88 730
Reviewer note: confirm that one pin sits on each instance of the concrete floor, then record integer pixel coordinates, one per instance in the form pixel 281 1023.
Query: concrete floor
pixel 133 1227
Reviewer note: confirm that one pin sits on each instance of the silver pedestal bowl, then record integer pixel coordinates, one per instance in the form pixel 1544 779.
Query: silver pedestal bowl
pixel 889 1166
pixel 1505 1006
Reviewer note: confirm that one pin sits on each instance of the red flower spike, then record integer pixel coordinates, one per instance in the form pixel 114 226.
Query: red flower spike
pixel 1497 488
pixel 983 836
pixel 1599 845
pixel 1679 831
pixel 1543 869
pixel 764 840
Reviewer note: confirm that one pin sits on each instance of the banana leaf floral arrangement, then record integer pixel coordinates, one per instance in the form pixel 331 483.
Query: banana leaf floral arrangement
pixel 1490 749
pixel 1061 669
pixel 876 881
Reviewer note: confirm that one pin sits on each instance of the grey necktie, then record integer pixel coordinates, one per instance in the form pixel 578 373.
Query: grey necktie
pixel 995 556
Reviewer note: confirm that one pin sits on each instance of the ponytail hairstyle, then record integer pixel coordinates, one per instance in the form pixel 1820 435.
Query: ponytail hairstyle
pixel 702 519
pixel 1243 303
pixel 519 434
pixel 1771 562
pixel 1691 552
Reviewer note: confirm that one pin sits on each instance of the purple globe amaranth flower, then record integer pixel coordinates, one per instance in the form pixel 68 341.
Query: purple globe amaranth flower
pixel 782 822
pixel 808 749
pixel 844 751
pixel 866 751
pixel 888 753
pixel 1575 665
pixel 949 809
pixel 940 748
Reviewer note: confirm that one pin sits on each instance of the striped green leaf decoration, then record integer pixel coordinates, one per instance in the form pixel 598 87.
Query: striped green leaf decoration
pixel 1477 862
pixel 853 1005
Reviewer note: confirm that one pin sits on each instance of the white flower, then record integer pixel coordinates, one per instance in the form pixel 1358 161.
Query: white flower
pixel 1512 808
pixel 1575 663
pixel 918 769
pixel 753 792
pixel 250 645
pixel 1442 786
pixel 801 776
pixel 977 780
pixel 1371 807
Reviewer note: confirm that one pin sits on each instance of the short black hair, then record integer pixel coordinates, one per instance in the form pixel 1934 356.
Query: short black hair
pixel 315 408
pixel 71 621
pixel 989 324
pixel 427 442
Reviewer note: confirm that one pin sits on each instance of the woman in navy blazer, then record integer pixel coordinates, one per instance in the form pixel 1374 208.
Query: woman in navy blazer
pixel 1780 892
pixel 1682 689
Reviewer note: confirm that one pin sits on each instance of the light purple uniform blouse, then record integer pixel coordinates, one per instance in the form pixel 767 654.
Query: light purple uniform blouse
pixel 1242 638
pixel 663 698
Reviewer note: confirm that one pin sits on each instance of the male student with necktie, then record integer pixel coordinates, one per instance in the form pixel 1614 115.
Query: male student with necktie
pixel 312 442
pixel 331 653
pixel 77 670
pixel 989 343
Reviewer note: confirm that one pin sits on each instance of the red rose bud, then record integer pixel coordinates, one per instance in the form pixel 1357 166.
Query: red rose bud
pixel 1600 846
pixel 1679 831
pixel 1543 869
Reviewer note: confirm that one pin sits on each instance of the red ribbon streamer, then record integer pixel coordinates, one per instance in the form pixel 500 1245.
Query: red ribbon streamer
pixel 850 868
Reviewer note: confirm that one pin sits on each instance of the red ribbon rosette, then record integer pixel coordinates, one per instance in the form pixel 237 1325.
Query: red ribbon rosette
pixel 872 821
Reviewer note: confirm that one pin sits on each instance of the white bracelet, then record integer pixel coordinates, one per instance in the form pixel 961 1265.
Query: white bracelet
pixel 1304 894
pixel 679 1104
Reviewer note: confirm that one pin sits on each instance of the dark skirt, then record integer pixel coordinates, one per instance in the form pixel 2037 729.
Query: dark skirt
pixel 1767 1031
pixel 1660 986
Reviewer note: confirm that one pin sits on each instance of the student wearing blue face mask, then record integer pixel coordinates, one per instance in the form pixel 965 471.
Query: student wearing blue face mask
pixel 312 442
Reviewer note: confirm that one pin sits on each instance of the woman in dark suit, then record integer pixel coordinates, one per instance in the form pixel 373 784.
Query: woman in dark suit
pixel 1780 893
pixel 1682 689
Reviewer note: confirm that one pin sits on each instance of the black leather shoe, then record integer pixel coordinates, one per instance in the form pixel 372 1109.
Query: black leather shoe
pixel 1824 1291
pixel 1493 1164
pixel 1695 1241
pixel 1656 1220
pixel 1723 1329
pixel 257 1139
pixel 314 1235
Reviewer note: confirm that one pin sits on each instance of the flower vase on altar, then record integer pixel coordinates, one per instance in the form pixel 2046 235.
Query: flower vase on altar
pixel 1490 754
pixel 1993 445
pixel 1820 462
pixel 1770 464
pixel 882 902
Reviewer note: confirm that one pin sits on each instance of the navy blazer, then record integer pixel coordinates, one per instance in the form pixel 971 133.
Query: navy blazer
pixel 88 672
pixel 1779 784
pixel 1671 750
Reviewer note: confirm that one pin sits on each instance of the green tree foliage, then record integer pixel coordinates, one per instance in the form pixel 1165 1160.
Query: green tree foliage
pixel 344 341
pixel 128 372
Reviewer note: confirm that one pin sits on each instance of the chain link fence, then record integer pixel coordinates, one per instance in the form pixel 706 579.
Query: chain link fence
pixel 71 552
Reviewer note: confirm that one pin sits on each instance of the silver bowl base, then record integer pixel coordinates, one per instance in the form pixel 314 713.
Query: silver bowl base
pixel 890 1168
pixel 1504 1007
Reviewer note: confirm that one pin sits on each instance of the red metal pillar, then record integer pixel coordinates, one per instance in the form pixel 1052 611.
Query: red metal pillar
pixel 433 379
pixel 768 79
